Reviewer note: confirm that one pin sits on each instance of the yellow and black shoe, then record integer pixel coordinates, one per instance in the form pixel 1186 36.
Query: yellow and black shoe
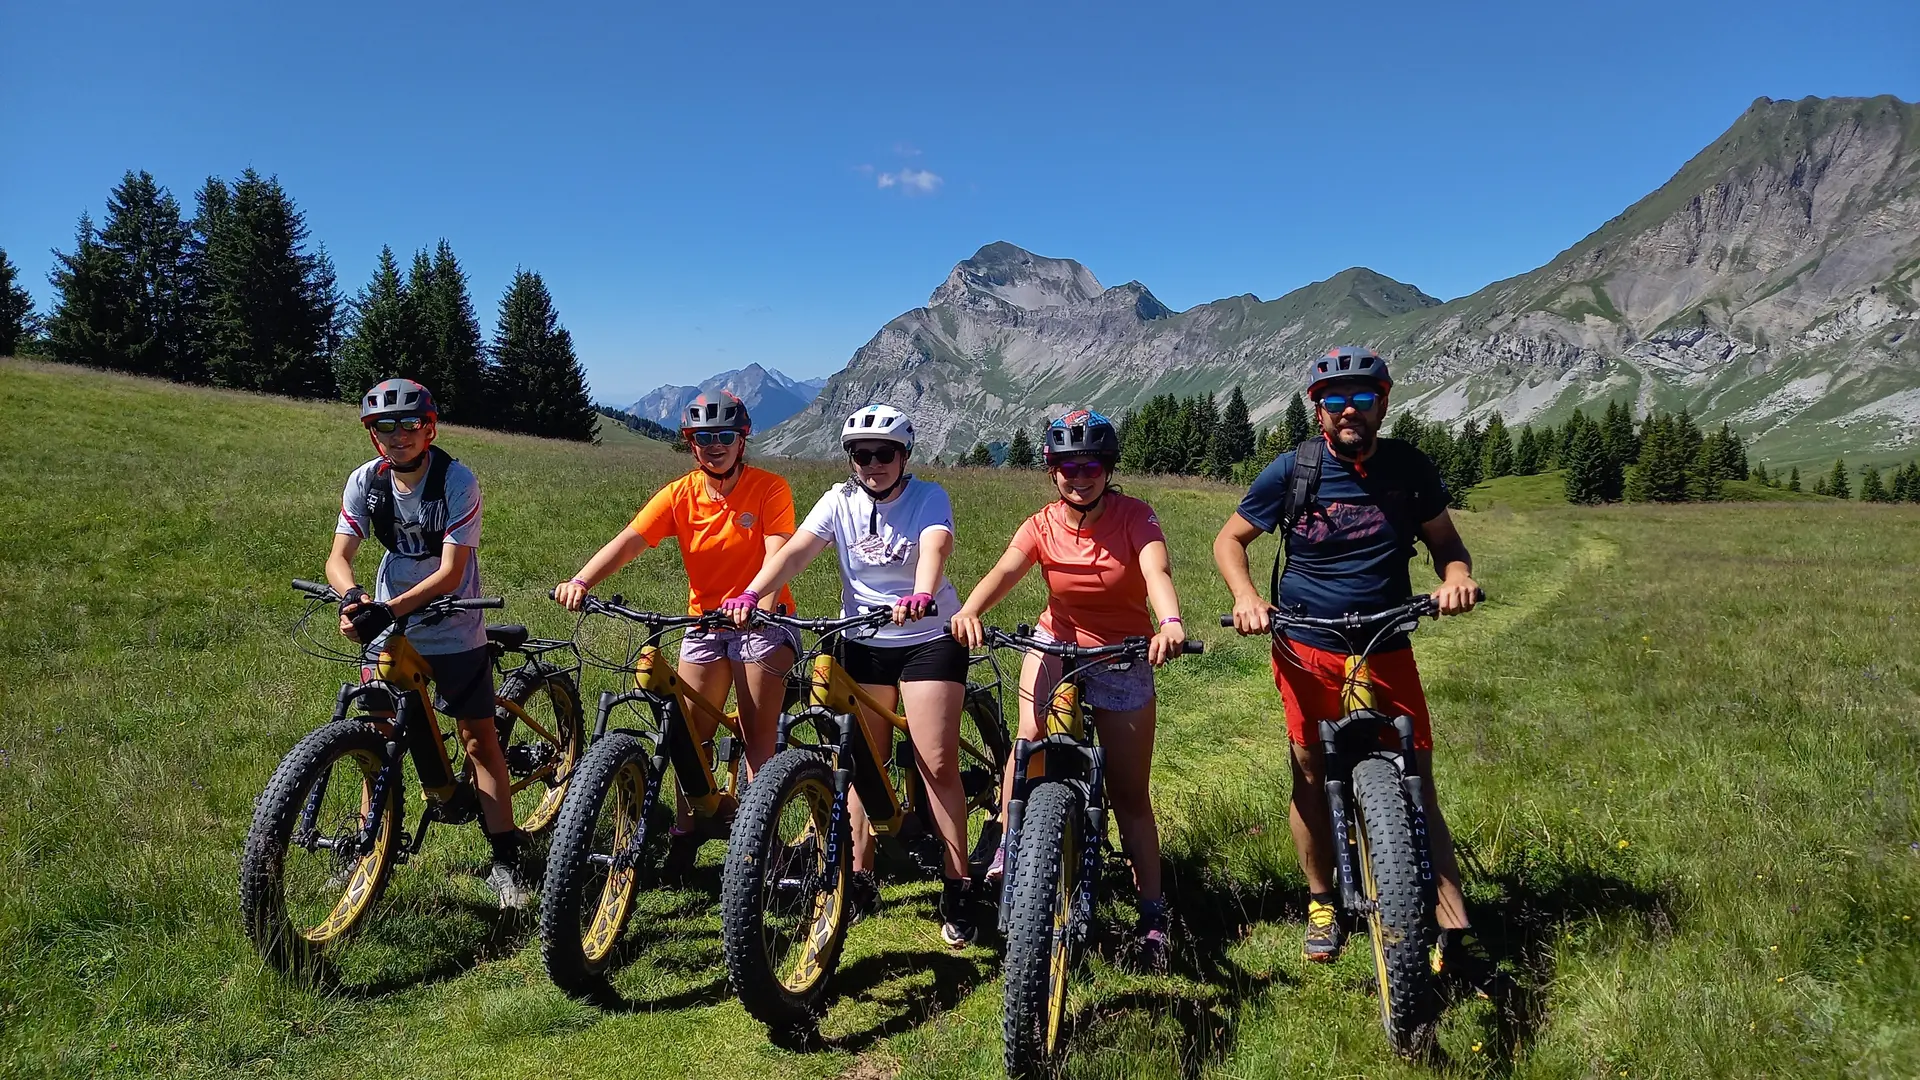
pixel 1458 955
pixel 1325 934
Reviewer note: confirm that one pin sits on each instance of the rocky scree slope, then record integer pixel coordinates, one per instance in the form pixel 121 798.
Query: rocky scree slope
pixel 1771 283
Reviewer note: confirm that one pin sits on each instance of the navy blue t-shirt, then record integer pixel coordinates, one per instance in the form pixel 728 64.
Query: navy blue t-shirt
pixel 1349 550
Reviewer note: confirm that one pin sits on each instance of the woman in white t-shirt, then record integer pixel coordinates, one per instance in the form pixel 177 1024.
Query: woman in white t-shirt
pixel 893 533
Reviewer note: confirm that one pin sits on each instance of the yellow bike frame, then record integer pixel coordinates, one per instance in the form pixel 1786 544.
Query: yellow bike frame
pixel 689 757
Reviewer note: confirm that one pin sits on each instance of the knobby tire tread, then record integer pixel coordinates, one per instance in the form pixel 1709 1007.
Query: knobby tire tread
pixel 567 866
pixel 1052 810
pixel 1382 804
pixel 741 916
pixel 263 857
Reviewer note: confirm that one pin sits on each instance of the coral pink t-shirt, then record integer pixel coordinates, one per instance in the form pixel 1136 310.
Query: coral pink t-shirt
pixel 1097 594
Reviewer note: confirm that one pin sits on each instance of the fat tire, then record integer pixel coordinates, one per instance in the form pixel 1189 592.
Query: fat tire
pixel 263 857
pixel 568 870
pixel 519 687
pixel 1400 924
pixel 1051 826
pixel 742 917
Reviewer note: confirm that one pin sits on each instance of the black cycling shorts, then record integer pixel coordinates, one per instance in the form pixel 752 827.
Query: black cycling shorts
pixel 462 684
pixel 941 660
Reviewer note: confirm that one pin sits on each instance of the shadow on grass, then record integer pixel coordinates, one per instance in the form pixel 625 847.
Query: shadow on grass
pixel 866 981
pixel 1539 896
pixel 431 941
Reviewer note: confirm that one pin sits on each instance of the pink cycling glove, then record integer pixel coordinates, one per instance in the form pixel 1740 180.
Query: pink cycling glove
pixel 917 604
pixel 746 601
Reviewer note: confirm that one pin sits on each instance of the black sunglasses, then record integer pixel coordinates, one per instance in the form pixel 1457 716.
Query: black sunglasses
pixel 1337 403
pixel 884 455
pixel 709 438
pixel 387 425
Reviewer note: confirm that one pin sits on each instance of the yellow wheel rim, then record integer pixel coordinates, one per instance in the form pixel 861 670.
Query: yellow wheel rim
pixel 802 860
pixel 1376 929
pixel 1060 963
pixel 538 795
pixel 363 875
pixel 616 894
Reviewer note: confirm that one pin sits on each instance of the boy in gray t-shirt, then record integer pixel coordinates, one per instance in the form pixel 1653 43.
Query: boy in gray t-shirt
pixel 424 509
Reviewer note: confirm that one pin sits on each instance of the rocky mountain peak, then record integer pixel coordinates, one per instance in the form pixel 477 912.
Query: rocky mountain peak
pixel 1018 277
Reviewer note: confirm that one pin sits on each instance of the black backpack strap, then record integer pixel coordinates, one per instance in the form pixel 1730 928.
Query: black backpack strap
pixel 380 498
pixel 1300 494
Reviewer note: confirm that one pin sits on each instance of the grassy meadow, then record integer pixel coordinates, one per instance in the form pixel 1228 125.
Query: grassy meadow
pixel 1678 747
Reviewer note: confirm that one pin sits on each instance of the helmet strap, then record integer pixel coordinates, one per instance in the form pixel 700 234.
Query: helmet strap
pixel 398 466
pixel 880 496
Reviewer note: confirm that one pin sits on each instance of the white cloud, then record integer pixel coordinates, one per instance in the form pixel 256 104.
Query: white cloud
pixel 906 149
pixel 912 181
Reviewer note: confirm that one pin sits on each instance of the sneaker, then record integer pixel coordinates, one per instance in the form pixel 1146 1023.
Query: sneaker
pixel 997 869
pixel 510 885
pixel 863 895
pixel 957 927
pixel 1325 935
pixel 683 848
pixel 1150 944
pixel 1458 954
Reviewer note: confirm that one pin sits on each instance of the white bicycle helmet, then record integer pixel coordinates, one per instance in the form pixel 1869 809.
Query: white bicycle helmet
pixel 883 422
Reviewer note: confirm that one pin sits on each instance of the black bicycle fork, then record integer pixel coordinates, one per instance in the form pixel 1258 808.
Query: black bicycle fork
pixel 1342 743
pixel 1092 787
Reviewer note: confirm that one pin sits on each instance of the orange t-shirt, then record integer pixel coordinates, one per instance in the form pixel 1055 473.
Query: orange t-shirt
pixel 1096 592
pixel 722 541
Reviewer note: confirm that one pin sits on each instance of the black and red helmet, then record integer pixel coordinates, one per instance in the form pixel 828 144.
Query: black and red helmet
pixel 1081 432
pixel 1347 362
pixel 722 412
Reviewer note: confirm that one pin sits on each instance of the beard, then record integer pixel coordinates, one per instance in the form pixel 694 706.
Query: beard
pixel 1354 441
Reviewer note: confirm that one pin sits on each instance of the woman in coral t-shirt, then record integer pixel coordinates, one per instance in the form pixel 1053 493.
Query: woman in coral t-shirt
pixel 1103 557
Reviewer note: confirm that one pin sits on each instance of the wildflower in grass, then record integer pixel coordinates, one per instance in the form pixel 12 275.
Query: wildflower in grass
pixel 1476 1048
pixel 1623 845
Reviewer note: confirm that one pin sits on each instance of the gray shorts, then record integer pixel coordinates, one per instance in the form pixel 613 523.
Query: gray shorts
pixel 740 646
pixel 1105 688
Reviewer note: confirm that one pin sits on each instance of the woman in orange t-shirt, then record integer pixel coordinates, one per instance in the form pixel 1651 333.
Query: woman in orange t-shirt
pixel 1104 557
pixel 728 517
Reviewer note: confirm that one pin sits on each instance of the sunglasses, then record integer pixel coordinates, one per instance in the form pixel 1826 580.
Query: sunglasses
pixel 712 438
pixel 1080 470
pixel 884 455
pixel 389 425
pixel 1337 403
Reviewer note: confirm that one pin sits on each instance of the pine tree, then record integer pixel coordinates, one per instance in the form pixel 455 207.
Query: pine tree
pixel 1760 474
pixel 979 457
pixel 18 323
pixel 147 241
pixel 1496 454
pixel 447 335
pixel 1838 485
pixel 1549 440
pixel 265 305
pixel 86 326
pixel 1663 464
pixel 1437 444
pixel 1020 453
pixel 1689 434
pixel 1203 425
pixel 541 388
pixel 381 343
pixel 1299 423
pixel 1526 453
pixel 1872 489
pixel 1407 428
pixel 1586 464
pixel 1793 479
pixel 1912 473
pixel 1233 441
pixel 1463 467
pixel 1730 454
pixel 1705 481
pixel 1617 434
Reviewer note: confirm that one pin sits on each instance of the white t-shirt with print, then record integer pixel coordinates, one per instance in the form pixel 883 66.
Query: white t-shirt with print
pixel 880 555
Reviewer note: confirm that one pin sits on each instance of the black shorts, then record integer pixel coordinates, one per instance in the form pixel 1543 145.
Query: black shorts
pixel 941 660
pixel 462 684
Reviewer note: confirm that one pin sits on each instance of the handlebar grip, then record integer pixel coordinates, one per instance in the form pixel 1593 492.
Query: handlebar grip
pixel 482 602
pixel 1479 595
pixel 1193 648
pixel 1226 620
pixel 311 587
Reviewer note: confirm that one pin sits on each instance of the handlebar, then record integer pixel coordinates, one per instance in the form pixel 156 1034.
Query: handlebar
pixel 1418 607
pixel 1133 647
pixel 435 609
pixel 616 607
pixel 874 617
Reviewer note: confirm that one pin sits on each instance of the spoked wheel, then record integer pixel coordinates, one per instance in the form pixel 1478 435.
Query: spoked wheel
pixel 1398 923
pixel 594 864
pixel 319 851
pixel 1042 935
pixel 537 713
pixel 783 903
pixel 986 730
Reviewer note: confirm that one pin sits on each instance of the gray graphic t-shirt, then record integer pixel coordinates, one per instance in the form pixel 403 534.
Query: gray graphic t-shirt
pixel 413 519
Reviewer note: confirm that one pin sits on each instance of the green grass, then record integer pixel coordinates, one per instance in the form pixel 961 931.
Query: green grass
pixel 1678 746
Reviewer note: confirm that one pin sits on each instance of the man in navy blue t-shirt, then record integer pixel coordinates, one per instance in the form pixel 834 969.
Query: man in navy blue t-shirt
pixel 1347 552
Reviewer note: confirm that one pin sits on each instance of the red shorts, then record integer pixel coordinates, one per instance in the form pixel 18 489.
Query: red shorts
pixel 1310 689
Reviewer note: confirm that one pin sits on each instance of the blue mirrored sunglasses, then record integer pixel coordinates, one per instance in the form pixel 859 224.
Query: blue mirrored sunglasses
pixel 1337 403
pixel 708 438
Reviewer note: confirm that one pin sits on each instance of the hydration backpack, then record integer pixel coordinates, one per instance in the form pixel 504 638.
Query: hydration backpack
pixel 1300 495
pixel 433 504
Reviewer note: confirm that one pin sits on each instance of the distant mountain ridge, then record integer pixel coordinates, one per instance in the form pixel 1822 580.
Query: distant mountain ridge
pixel 1771 282
pixel 771 397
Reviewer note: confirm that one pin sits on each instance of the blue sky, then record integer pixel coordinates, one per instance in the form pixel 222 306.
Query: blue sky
pixel 704 186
